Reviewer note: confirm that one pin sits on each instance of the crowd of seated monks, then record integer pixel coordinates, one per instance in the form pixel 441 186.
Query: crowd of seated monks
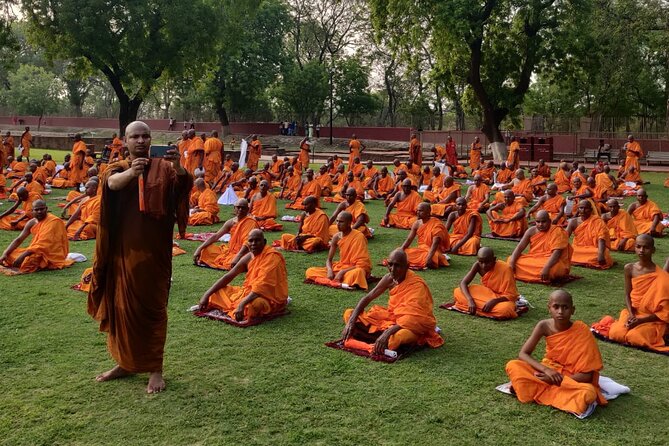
pixel 574 219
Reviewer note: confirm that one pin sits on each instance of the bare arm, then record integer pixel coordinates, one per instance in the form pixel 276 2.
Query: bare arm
pixel 464 287
pixel 212 239
pixel 17 242
pixel 546 374
pixel 385 283
pixel 331 254
pixel 411 236
pixel 11 209
pixel 520 247
pixel 239 268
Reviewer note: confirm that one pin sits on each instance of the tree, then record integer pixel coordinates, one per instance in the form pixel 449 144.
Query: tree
pixel 501 41
pixel 304 90
pixel 9 45
pixel 352 97
pixel 33 91
pixel 131 42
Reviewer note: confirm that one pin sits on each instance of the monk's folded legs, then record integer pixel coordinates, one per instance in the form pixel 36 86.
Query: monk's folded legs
pixel 649 335
pixel 481 295
pixel 362 333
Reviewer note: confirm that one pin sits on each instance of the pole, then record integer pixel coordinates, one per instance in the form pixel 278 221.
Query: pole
pixel 331 105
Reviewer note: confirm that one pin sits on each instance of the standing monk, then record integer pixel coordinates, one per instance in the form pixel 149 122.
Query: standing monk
pixel 513 159
pixel 133 256
pixel 254 153
pixel 8 144
pixel 355 148
pixel 116 148
pixel 415 150
pixel 26 143
pixel 305 149
pixel 475 154
pixel 77 166
pixel 451 152
pixel 213 158
pixel 195 158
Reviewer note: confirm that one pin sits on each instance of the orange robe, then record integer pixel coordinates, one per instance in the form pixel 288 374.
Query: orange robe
pixel 649 295
pixel 632 155
pixel 513 159
pixel 496 283
pixel 603 181
pixel 221 256
pixel 356 209
pixel 569 352
pixel 586 238
pixel 266 207
pixel 116 149
pixel 353 253
pixel 18 169
pixel 195 154
pixel 354 148
pixel 90 216
pixel 643 217
pixel 553 206
pixel 213 159
pixel 475 156
pixel 357 169
pixel 304 155
pixel 622 227
pixel 439 209
pixel 313 188
pixel 406 211
pixel 78 174
pixel 183 148
pixel 3 187
pixel 207 201
pixel 384 186
pixel 369 175
pixel 460 229
pixel 478 196
pixel 504 176
pixel 542 245
pixel 415 152
pixel 267 276
pixel 254 151
pixel 562 182
pixel 426 234
pixel 409 306
pixel 544 171
pixel 62 180
pixel 440 154
pixel 437 184
pixel 26 144
pixel 514 228
pixel 50 166
pixel 325 181
pixel 27 209
pixel 315 224
pixel 486 174
pixel 524 188
pixel 292 183
pixel 49 247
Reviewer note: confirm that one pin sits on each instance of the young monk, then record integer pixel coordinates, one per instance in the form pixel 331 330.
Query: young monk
pixel 225 256
pixel 49 246
pixel 263 208
pixel 83 224
pixel 645 320
pixel 357 209
pixel 467 226
pixel 591 239
pixel 265 289
pixel 354 265
pixel 308 187
pixel 551 202
pixel 568 376
pixel 433 241
pixel 622 231
pixel 478 195
pixel 647 215
pixel 496 296
pixel 312 233
pixel 406 201
pixel 549 256
pixel 205 212
pixel 507 219
pixel 407 320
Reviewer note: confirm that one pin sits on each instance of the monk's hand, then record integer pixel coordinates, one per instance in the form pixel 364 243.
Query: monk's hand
pixel 487 308
pixel 601 259
pixel 173 156
pixel 204 302
pixel 196 256
pixel 239 313
pixel 384 221
pixel 621 245
pixel 138 165
pixel 471 309
pixel 381 343
pixel 330 274
pixel 550 376
pixel 431 264
pixel 339 277
pixel 348 329
pixel 632 322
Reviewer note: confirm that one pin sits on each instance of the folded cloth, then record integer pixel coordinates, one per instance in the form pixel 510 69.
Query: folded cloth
pixel 495 237
pixel 293 218
pixel 77 257
pixel 361 349
pixel 601 331
pixel 520 310
pixel 223 317
pixel 324 281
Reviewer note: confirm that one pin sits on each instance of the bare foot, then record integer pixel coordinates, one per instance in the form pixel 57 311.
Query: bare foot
pixel 115 373
pixel 156 383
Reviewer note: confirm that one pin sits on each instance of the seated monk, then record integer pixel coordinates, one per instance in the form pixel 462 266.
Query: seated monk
pixel 549 256
pixel 369 175
pixel 312 233
pixel 325 181
pixel 505 174
pixel 496 296
pixel 551 202
pixel 646 214
pixel 622 231
pixel 544 169
pixel 645 320
pixel 226 256
pixel 357 167
pixel 61 179
pixel 290 184
pixel 433 241
pixel 487 172
pixel 407 202
pixel 568 376
pixel 338 179
pixel 563 178
pixel 241 185
pixel 357 209
pixel 591 239
pixel 478 195
pixel 599 196
pixel 308 187
pixel 265 288
pixel 382 185
pixel 195 191
pixel 434 185
pixel 354 265
pixel 507 219
pixel 83 224
pixel 351 181
pixel 605 181
pixel 538 183
pixel 629 181
pixel 263 208
pixel 15 219
pixel 521 187
pixel 29 183
pixel 250 189
pixel 408 320
pixel 3 185
pixel 446 198
pixel 49 246
pixel 206 211
pixel 467 225
pixel 19 168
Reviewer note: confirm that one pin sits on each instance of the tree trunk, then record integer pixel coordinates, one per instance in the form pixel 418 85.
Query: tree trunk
pixel 128 109
pixel 223 118
pixel 39 122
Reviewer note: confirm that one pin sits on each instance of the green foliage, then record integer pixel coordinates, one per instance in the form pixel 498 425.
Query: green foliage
pixel 33 91
pixel 305 90
pixel 352 97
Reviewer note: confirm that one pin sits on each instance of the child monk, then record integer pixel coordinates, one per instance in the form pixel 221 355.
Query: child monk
pixel 496 296
pixel 433 241
pixel 568 376
pixel 644 321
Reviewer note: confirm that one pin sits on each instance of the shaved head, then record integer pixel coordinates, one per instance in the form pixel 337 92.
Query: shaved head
pixel 561 295
pixel 647 240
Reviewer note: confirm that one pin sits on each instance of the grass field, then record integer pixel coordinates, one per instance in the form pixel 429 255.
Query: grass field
pixel 278 384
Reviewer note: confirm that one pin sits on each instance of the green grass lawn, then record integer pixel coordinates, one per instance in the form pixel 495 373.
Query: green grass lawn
pixel 278 384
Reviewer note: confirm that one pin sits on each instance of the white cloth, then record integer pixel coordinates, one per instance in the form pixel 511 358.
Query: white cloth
pixel 242 153
pixel 77 257
pixel 228 198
